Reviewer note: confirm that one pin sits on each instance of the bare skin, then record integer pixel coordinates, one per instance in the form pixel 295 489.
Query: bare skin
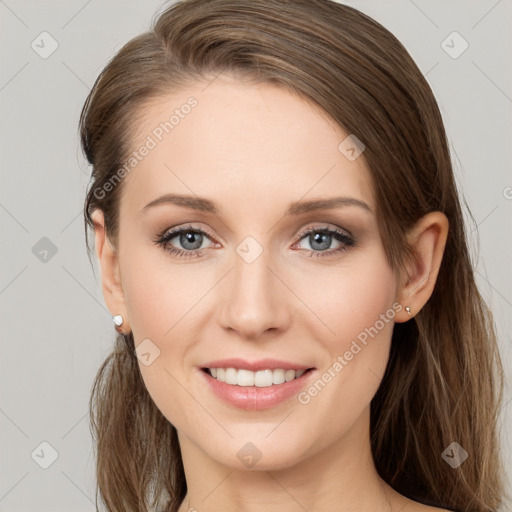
pixel 254 149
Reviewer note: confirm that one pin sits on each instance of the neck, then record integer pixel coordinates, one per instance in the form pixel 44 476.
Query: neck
pixel 339 477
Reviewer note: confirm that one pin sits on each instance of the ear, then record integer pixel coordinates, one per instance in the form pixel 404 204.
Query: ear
pixel 110 275
pixel 427 240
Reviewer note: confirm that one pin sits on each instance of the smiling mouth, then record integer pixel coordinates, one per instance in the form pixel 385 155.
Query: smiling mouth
pixel 260 378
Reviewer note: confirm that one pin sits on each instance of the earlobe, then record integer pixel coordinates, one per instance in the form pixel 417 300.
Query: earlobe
pixel 427 240
pixel 109 265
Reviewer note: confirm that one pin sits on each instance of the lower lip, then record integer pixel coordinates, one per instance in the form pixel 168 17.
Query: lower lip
pixel 256 398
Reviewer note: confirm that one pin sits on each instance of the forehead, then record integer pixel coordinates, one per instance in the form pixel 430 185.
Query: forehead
pixel 232 140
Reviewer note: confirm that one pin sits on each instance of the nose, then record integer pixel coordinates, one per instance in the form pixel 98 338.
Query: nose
pixel 254 299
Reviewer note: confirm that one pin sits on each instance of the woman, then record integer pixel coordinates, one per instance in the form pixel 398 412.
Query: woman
pixel 283 252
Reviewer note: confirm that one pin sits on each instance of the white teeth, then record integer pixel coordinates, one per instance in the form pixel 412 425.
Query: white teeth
pixel 278 376
pixel 263 378
pixel 260 379
pixel 289 375
pixel 243 378
pixel 230 376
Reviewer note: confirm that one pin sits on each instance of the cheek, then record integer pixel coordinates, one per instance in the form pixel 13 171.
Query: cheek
pixel 159 294
pixel 161 301
pixel 166 304
pixel 349 298
pixel 356 306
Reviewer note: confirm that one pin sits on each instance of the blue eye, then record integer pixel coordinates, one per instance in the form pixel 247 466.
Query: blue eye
pixel 191 239
pixel 321 239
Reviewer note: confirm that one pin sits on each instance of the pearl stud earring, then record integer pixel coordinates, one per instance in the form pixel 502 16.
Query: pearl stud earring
pixel 118 320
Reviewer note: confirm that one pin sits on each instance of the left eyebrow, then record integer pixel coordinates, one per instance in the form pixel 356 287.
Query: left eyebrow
pixel 296 208
pixel 325 204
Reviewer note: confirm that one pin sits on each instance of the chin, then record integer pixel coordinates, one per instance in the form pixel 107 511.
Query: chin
pixel 260 454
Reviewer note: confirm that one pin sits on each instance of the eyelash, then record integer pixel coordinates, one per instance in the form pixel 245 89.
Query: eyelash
pixel 164 238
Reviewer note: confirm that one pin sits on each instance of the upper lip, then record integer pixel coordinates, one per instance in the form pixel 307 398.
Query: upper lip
pixel 260 364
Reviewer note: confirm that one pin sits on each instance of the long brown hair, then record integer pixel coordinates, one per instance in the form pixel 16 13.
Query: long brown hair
pixel 444 378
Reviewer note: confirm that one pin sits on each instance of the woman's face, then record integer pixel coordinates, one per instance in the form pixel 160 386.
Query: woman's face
pixel 259 278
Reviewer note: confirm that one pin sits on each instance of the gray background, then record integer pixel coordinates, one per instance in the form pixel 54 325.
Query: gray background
pixel 56 329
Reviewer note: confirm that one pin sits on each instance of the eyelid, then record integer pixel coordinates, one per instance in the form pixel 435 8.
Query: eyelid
pixel 186 227
pixel 324 227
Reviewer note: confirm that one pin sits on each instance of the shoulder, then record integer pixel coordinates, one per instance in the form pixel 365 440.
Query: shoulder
pixel 404 504
pixel 408 505
pixel 414 506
